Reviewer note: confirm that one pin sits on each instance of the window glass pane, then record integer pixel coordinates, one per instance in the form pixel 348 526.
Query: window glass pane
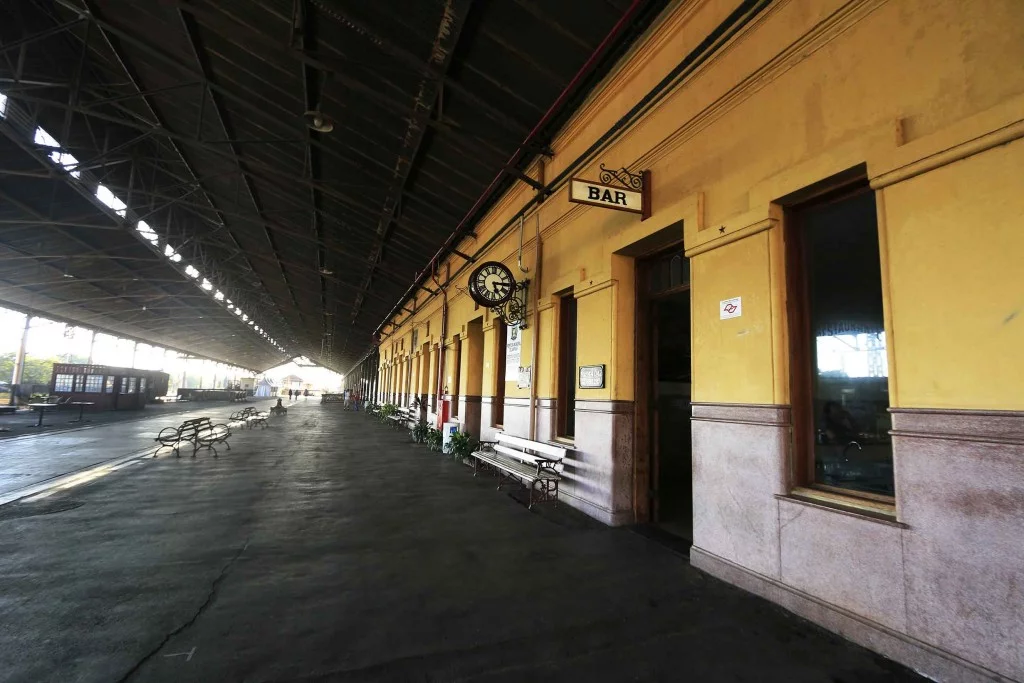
pixel 108 386
pixel 669 272
pixel 849 365
pixel 142 384
pixel 64 383
pixel 93 384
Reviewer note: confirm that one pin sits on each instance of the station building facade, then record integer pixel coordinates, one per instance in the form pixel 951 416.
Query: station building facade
pixel 807 359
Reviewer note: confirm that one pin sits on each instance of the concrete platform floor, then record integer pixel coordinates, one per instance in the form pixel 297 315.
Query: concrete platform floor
pixel 328 548
pixel 39 457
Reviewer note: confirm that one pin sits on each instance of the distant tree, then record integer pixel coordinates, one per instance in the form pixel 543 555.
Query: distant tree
pixel 37 370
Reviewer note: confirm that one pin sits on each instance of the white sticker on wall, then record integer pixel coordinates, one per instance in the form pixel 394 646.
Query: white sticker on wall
pixel 513 352
pixel 730 308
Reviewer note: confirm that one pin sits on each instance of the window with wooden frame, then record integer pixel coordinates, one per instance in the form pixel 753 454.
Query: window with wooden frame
pixel 498 407
pixel 839 362
pixel 566 402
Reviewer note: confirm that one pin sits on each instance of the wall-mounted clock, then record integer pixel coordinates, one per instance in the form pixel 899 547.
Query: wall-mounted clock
pixel 491 284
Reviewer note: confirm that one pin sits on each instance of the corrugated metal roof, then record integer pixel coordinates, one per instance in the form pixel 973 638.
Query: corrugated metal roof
pixel 192 112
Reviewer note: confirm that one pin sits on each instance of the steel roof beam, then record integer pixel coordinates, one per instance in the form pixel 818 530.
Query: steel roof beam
pixel 453 18
pixel 195 43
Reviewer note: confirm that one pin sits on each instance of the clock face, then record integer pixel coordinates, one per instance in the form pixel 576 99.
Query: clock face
pixel 492 284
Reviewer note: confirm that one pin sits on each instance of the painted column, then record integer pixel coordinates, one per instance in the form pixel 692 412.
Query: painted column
pixel 92 347
pixel 19 361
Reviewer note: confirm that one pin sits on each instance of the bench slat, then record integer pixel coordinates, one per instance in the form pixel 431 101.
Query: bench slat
pixel 515 467
pixel 524 457
pixel 550 450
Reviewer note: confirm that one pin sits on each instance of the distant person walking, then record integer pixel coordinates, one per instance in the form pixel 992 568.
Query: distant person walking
pixel 290 392
pixel 305 394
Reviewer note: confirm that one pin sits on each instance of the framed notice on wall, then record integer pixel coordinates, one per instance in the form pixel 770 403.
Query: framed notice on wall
pixel 591 377
pixel 513 352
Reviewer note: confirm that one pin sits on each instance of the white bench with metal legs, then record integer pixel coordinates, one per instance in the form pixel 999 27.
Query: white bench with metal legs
pixel 529 463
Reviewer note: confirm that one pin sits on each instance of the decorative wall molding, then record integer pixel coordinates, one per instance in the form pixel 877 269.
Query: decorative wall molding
pixel 604 406
pixel 967 148
pixel 742 413
pixel 980 426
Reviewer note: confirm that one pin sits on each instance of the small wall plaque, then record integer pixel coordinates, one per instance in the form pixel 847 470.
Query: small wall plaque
pixel 524 378
pixel 591 377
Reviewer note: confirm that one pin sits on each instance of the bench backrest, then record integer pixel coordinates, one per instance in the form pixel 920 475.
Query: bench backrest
pixel 195 424
pixel 545 450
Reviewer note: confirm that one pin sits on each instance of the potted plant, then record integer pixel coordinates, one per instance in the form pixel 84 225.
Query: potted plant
pixel 433 438
pixel 462 446
pixel 386 411
pixel 420 431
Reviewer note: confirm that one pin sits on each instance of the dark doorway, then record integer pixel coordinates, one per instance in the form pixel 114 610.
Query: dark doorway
pixel 664 329
pixel 567 329
pixel 671 403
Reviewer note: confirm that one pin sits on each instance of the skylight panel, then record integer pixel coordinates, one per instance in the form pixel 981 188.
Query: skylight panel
pixel 149 233
pixel 3 106
pixel 67 162
pixel 43 138
pixel 207 285
pixel 111 200
pixel 191 271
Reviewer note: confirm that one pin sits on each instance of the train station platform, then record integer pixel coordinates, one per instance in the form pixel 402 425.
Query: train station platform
pixel 329 548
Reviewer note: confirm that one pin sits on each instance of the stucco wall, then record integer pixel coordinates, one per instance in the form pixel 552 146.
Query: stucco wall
pixel 929 97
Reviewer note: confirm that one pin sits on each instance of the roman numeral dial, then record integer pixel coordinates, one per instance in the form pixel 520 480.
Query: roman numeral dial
pixel 491 284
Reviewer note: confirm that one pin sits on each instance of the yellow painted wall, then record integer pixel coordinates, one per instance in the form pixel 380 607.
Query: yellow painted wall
pixel 732 359
pixel 811 88
pixel 956 244
pixel 594 341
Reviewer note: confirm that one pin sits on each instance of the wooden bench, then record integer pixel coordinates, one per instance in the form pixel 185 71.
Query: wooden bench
pixel 199 432
pixel 250 417
pixel 402 418
pixel 529 463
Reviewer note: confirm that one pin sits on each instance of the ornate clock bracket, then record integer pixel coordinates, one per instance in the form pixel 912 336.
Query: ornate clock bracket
pixel 513 311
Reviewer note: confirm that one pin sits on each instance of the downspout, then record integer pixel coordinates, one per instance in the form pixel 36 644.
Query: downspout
pixel 535 337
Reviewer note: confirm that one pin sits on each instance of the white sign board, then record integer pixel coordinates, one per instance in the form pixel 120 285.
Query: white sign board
pixel 730 308
pixel 607 196
pixel 447 429
pixel 524 378
pixel 513 352
pixel 591 377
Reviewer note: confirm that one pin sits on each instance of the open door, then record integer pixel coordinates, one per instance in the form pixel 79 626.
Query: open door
pixel 664 331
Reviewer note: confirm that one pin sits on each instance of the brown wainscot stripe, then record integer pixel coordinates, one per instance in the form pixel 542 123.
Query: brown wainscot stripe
pixel 546 403
pixel 986 426
pixel 742 413
pixel 613 407
pixel 470 399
